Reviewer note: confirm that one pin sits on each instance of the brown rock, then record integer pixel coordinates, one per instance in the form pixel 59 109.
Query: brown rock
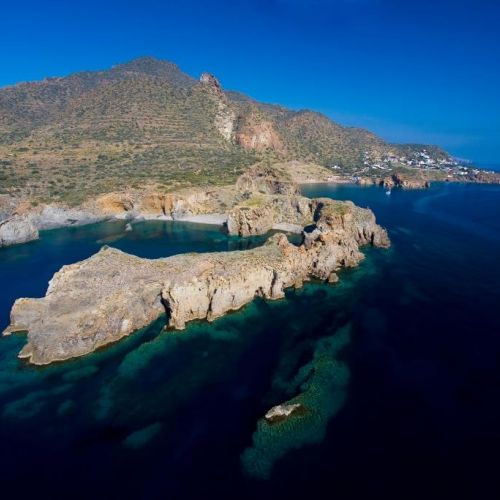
pixel 106 297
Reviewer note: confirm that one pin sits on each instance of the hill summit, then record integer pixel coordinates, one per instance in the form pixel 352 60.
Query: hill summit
pixel 146 121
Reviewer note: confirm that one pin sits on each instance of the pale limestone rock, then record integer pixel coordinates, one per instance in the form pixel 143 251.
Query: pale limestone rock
pixel 17 229
pixel 283 411
pixel 106 297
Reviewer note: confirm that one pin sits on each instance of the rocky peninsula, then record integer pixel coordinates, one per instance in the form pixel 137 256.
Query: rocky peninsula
pixel 397 180
pixel 108 296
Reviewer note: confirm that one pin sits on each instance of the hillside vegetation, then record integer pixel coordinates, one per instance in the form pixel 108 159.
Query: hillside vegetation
pixel 148 123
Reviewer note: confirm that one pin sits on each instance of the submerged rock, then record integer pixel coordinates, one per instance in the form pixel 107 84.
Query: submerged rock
pixel 321 386
pixel 142 437
pixel 111 294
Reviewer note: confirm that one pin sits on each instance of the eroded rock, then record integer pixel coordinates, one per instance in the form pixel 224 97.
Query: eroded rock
pixel 17 229
pixel 283 411
pixel 109 295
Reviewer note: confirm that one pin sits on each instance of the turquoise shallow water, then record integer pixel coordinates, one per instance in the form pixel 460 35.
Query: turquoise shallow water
pixel 399 363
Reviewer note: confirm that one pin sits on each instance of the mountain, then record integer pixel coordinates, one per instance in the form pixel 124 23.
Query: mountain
pixel 147 122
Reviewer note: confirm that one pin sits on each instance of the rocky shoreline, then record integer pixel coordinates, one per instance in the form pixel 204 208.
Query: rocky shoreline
pixel 21 220
pixel 395 181
pixel 108 296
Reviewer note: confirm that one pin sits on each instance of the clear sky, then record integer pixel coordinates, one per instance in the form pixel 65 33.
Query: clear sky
pixel 412 71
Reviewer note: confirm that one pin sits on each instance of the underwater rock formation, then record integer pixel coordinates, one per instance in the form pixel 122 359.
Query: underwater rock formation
pixel 109 295
pixel 321 386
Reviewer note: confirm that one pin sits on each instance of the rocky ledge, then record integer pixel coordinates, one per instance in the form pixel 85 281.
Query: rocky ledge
pixel 16 230
pixel 111 294
pixel 396 180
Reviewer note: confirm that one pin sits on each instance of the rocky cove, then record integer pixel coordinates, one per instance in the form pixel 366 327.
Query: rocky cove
pixel 21 219
pixel 108 296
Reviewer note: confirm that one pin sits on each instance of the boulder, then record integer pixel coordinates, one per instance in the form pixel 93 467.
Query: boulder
pixel 17 229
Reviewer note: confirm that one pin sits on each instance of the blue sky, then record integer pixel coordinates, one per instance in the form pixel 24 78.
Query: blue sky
pixel 425 71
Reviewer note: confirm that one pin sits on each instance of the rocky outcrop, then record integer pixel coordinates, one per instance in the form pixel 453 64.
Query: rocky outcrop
pixel 52 216
pixel 17 229
pixel 254 132
pixel 210 81
pixel 272 202
pixel 250 220
pixel 281 412
pixel 367 181
pixel 401 181
pixel 225 118
pixel 267 180
pixel 106 297
pixel 261 213
pixel 22 221
pixel 396 180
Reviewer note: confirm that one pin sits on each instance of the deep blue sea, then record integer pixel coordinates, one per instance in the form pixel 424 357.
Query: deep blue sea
pixel 399 362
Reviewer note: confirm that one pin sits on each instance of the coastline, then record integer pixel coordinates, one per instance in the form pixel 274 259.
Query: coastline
pixel 21 220
pixel 111 294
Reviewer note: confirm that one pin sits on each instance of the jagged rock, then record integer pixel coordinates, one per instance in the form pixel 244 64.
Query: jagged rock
pixel 114 203
pixel 395 180
pixel 106 297
pixel 52 216
pixel 283 411
pixel 367 181
pixel 333 278
pixel 211 81
pixel 266 180
pixel 250 220
pixel 17 229
pixel 398 180
pixel 254 132
pixel 225 118
pixel 260 213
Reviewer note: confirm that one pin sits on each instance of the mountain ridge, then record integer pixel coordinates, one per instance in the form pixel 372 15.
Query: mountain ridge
pixel 147 122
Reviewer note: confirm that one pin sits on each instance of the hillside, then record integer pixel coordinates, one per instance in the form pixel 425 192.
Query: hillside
pixel 148 123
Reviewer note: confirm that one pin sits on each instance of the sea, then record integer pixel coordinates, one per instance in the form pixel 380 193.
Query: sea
pixel 397 369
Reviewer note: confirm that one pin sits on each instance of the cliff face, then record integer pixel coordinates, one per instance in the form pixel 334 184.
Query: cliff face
pixel 399 180
pixel 261 213
pixel 17 230
pixel 20 220
pixel 267 180
pixel 106 297
pixel 255 133
pixel 225 116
